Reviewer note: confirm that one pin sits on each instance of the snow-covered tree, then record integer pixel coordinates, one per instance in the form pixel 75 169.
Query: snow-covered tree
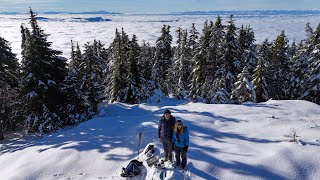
pixel 312 92
pixel 118 67
pixel 9 76
pixel 75 106
pixel 312 89
pixel 134 79
pixel 183 67
pixel 230 54
pixel 299 73
pixel 43 71
pixel 244 90
pixel 199 64
pixel 162 58
pixel 247 48
pixel 261 73
pixel 93 66
pixel 218 94
pixel 145 64
pixel 280 68
pixel 193 39
pixel 216 68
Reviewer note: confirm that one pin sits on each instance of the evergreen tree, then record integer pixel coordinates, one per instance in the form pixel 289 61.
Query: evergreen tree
pixel 145 64
pixel 280 68
pixel 313 38
pixel 183 67
pixel 76 106
pixel 260 76
pixel 93 65
pixel 214 67
pixel 247 48
pixel 162 58
pixel 193 40
pixel 298 76
pixel 134 79
pixel 231 52
pixel 146 61
pixel 172 80
pixel 217 93
pixel 199 65
pixel 312 92
pixel 216 62
pixel 118 82
pixel 244 90
pixel 9 76
pixel 42 74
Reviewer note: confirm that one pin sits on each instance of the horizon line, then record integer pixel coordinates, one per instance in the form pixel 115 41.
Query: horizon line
pixel 179 12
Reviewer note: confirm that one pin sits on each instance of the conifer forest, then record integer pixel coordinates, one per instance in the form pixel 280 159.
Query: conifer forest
pixel 221 64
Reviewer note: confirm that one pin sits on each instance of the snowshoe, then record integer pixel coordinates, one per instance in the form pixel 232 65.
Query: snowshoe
pixel 152 160
pixel 133 169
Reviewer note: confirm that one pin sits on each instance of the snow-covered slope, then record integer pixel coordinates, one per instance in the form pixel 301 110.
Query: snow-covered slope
pixel 226 142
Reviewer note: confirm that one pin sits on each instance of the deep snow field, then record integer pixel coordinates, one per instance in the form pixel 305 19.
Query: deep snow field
pixel 226 142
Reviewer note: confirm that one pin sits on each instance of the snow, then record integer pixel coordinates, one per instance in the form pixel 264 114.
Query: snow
pixel 32 94
pixel 226 142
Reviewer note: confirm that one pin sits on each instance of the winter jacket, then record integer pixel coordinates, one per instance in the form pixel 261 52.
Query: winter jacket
pixel 184 138
pixel 165 127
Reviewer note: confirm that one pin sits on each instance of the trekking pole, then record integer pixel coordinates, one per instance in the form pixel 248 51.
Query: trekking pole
pixel 139 144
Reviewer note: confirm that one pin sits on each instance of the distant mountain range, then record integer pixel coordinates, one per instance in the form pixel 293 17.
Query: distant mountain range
pixel 58 12
pixel 251 12
pixel 234 12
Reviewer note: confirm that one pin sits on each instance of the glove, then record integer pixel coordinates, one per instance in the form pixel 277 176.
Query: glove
pixel 186 148
pixel 172 147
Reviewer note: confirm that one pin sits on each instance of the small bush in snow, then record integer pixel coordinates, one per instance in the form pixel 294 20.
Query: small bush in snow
pixel 293 134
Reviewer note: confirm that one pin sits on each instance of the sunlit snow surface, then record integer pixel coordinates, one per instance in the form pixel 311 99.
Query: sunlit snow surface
pixel 227 141
pixel 86 27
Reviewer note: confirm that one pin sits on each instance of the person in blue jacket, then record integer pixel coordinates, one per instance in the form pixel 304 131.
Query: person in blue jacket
pixel 180 140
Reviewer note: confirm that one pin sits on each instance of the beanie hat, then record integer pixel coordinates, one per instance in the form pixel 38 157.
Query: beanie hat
pixel 167 111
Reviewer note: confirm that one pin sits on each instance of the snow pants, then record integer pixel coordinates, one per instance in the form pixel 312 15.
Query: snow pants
pixel 180 154
pixel 167 147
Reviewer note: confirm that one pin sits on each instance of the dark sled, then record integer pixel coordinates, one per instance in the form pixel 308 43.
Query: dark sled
pixel 133 169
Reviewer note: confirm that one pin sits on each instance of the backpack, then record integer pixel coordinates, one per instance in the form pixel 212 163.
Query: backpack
pixel 133 169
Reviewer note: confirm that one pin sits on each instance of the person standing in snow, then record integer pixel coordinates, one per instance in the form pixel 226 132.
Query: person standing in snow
pixel 180 140
pixel 165 132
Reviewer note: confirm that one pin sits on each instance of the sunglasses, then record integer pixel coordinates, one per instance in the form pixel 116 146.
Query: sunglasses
pixel 179 124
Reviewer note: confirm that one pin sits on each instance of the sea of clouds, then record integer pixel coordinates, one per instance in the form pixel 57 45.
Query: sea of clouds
pixel 83 28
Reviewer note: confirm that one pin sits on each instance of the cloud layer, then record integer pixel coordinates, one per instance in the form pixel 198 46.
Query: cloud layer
pixel 64 28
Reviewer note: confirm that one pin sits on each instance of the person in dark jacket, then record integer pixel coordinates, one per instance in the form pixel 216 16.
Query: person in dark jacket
pixel 165 132
pixel 180 140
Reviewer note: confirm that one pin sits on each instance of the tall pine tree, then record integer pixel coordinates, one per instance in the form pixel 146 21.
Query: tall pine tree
pixel 230 54
pixel 9 76
pixel 162 59
pixel 280 68
pixel 43 71
pixel 261 74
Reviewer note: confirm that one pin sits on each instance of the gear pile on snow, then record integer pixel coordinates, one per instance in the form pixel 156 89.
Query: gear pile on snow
pixel 133 169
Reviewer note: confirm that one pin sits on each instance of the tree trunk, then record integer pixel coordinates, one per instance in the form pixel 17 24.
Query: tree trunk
pixel 1 133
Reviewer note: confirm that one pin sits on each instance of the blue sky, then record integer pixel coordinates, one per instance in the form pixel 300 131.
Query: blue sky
pixel 154 6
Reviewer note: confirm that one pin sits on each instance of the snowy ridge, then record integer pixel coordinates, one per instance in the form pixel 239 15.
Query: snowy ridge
pixel 226 142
